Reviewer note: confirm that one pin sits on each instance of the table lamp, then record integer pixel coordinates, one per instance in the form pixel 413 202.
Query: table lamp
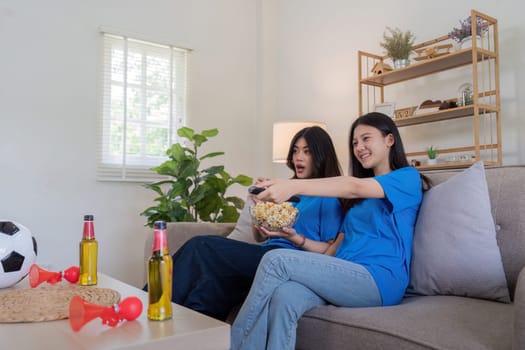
pixel 283 132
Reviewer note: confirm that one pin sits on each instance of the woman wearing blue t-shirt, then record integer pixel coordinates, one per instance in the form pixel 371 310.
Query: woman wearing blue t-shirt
pixel 371 265
pixel 212 274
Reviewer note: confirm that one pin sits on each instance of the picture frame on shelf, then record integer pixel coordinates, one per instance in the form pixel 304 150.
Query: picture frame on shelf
pixel 386 108
pixel 404 112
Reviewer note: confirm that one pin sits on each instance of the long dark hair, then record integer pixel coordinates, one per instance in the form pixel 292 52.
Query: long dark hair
pixel 324 158
pixel 385 125
pixel 397 157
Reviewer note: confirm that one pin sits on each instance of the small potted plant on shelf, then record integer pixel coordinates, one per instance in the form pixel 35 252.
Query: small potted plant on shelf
pixel 463 34
pixel 192 194
pixel 398 46
pixel 432 155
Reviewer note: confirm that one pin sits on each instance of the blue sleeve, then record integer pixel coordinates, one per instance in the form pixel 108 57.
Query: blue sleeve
pixel 402 188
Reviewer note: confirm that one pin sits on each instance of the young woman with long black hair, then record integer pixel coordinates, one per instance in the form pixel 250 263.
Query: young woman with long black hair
pixel 371 265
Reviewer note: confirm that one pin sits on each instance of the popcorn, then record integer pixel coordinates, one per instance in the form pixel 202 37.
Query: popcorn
pixel 273 216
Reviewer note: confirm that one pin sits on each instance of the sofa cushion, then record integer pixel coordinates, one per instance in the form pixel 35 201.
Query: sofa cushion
pixel 243 230
pixel 418 323
pixel 455 251
pixel 519 313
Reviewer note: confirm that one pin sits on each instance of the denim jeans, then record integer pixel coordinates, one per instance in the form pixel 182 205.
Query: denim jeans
pixel 287 284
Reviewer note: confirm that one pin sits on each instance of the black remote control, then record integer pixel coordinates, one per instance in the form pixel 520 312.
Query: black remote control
pixel 257 190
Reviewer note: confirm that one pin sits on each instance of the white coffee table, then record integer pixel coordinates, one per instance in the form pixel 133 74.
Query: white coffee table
pixel 186 330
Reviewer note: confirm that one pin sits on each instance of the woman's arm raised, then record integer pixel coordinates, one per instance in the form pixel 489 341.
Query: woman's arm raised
pixel 341 186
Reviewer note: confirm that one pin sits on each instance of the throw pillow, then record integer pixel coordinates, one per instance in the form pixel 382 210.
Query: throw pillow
pixel 244 226
pixel 455 251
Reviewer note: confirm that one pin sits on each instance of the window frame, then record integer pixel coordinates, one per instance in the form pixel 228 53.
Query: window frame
pixel 124 162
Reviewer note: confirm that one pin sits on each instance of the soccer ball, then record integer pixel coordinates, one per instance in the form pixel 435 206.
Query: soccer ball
pixel 17 252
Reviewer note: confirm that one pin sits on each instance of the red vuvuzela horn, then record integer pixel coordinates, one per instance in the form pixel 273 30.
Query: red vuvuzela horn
pixel 38 275
pixel 71 274
pixel 82 311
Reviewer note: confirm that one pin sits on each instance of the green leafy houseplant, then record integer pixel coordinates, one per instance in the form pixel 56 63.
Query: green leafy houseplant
pixel 192 193
pixel 398 44
pixel 432 152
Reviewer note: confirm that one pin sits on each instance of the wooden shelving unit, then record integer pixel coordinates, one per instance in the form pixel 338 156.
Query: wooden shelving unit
pixel 483 57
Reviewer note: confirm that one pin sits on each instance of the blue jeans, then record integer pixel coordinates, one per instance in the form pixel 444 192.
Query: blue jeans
pixel 287 284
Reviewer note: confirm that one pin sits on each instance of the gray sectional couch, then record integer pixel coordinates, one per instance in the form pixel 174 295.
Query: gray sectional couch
pixel 421 321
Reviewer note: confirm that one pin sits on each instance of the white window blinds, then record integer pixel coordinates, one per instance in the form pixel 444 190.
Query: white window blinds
pixel 143 104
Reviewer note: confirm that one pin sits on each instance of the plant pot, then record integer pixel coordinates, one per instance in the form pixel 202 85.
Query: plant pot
pixel 432 161
pixel 401 63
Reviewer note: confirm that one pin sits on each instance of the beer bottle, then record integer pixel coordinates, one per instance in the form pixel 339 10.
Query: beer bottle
pixel 88 254
pixel 160 267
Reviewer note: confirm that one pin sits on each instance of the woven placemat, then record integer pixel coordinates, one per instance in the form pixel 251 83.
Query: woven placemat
pixel 47 303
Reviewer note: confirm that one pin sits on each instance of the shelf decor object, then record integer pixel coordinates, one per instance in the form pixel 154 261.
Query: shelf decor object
pixel 481 103
pixel 398 46
pixel 465 28
pixel 387 108
pixel 428 53
pixel 432 155
pixel 465 95
pixel 404 112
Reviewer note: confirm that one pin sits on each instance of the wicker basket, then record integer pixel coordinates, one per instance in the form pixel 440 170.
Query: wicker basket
pixel 49 303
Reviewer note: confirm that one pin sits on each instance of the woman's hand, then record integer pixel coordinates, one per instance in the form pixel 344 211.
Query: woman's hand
pixel 334 244
pixel 301 242
pixel 258 235
pixel 285 232
pixel 276 191
pixel 257 183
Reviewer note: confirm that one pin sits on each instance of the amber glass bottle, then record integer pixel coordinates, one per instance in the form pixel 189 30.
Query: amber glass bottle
pixel 88 254
pixel 160 267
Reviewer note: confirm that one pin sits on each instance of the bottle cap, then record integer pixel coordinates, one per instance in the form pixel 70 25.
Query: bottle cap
pixel 159 225
pixel 88 217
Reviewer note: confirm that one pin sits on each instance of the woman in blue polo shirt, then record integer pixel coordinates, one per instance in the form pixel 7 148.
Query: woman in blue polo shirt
pixel 371 265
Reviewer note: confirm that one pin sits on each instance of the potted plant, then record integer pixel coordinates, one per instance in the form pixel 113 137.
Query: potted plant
pixel 432 155
pixel 464 32
pixel 191 193
pixel 398 46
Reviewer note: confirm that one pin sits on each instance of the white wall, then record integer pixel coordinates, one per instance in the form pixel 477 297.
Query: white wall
pixel 255 62
pixel 48 114
pixel 315 63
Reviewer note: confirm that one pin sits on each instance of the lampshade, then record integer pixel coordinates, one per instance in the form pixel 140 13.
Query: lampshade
pixel 283 132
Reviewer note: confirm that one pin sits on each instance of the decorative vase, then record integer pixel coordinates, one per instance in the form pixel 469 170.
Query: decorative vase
pixel 466 42
pixel 465 95
pixel 401 63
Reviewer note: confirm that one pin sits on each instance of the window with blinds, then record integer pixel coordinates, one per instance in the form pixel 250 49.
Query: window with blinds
pixel 143 104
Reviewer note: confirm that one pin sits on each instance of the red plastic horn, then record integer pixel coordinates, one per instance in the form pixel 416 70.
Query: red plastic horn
pixel 38 275
pixel 82 311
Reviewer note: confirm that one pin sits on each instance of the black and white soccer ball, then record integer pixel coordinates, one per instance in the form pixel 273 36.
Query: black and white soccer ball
pixel 17 252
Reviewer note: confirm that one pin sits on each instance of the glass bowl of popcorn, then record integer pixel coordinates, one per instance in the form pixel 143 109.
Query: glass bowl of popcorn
pixel 272 216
